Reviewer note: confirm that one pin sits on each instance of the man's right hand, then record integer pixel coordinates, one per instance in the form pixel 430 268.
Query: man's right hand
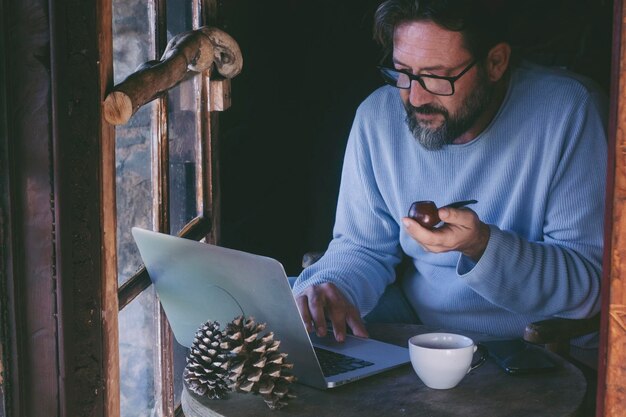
pixel 319 301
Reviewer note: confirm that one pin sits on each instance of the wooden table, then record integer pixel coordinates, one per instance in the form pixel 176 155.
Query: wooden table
pixel 485 392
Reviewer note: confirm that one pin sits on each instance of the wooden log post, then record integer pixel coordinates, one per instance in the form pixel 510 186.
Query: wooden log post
pixel 611 395
pixel 193 51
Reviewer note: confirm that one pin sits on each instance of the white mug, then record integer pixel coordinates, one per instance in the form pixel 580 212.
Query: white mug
pixel 441 360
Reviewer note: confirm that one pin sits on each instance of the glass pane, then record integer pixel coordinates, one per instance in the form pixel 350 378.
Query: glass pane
pixel 132 36
pixel 183 138
pixel 179 17
pixel 140 385
pixel 183 134
pixel 133 188
pixel 139 358
pixel 132 45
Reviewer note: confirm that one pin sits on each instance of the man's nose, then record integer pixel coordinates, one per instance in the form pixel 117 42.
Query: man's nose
pixel 418 95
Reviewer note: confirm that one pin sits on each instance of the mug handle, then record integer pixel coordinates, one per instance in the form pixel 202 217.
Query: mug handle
pixel 482 350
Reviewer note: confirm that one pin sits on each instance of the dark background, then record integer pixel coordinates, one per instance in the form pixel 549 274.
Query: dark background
pixel 307 66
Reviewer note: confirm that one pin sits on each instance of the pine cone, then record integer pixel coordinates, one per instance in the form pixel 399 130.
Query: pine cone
pixel 205 373
pixel 255 364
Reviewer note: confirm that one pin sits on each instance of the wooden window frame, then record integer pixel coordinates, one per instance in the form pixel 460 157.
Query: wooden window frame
pixel 207 193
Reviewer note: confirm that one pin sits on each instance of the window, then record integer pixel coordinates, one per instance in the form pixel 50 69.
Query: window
pixel 163 168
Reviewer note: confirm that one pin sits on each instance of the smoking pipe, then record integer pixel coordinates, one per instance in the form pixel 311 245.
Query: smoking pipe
pixel 426 212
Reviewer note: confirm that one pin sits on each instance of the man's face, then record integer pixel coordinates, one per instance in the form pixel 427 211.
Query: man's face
pixel 435 121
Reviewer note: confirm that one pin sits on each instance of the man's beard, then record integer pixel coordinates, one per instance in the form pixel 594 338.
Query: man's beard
pixel 452 126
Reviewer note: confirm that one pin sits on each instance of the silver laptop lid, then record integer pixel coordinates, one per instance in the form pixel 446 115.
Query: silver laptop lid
pixel 197 282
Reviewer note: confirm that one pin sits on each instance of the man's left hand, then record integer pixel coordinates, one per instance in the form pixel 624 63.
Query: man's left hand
pixel 463 231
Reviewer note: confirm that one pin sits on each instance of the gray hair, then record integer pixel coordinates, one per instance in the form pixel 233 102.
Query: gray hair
pixel 478 23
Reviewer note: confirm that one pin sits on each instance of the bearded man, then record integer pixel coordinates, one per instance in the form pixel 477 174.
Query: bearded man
pixel 459 121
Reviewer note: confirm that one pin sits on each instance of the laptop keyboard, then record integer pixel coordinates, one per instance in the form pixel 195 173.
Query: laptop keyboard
pixel 334 363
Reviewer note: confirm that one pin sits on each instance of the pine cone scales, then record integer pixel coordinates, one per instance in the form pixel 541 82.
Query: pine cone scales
pixel 256 366
pixel 207 363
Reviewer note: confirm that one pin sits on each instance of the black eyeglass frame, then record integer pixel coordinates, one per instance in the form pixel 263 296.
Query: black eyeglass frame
pixel 418 78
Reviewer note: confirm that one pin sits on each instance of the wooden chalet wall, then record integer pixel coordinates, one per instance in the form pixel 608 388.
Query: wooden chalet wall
pixel 612 367
pixel 56 204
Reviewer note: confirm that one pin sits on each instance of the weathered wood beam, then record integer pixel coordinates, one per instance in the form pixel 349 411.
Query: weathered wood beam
pixel 26 247
pixel 611 400
pixel 108 214
pixel 193 51
pixel 219 94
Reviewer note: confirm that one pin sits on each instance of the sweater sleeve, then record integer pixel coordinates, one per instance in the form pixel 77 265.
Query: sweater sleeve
pixel 558 275
pixel 362 256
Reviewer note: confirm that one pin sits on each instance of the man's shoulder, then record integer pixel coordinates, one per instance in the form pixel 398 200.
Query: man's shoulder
pixel 384 97
pixel 555 82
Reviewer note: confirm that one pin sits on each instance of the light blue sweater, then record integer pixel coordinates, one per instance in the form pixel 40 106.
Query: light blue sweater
pixel 538 172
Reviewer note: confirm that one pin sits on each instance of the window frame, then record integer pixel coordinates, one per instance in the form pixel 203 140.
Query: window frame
pixel 206 226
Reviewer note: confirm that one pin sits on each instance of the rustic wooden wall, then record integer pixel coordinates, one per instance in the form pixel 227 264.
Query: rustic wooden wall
pixel 31 286
pixel 52 242
pixel 612 375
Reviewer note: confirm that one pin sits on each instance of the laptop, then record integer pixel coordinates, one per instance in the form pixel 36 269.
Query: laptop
pixel 197 282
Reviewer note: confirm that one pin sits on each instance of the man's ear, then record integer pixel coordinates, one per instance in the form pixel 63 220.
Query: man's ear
pixel 498 61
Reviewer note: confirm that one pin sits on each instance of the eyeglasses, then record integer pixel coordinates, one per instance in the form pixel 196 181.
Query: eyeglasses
pixel 434 84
